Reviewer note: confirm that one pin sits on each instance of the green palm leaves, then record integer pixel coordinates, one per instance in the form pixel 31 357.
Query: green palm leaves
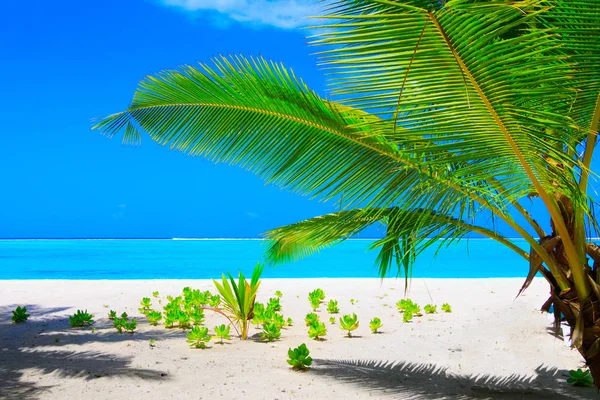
pixel 239 298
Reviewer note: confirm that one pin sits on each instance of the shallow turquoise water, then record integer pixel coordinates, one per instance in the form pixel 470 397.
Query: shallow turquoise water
pixel 196 259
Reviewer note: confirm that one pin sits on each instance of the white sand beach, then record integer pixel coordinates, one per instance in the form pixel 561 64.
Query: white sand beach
pixel 491 346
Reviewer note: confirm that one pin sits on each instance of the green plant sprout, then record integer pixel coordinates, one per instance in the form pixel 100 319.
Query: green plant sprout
pixel 580 378
pixel 273 304
pixel 289 322
pixel 222 332
pixel 314 299
pixel 197 316
pixel 155 294
pixel 430 309
pixel 332 320
pixel 146 304
pixel 332 307
pixel 353 301
pixel 214 301
pixel 153 317
pixel 299 358
pixel 81 319
pixel 112 314
pixel 259 314
pixel 278 293
pixel 20 315
pixel 130 326
pixel 349 323
pixel 408 305
pixel 446 308
pixel 407 316
pixel 317 330
pixel 198 337
pixel 152 342
pixel 278 320
pixel 311 318
pixel 375 325
pixel 270 332
pixel 238 299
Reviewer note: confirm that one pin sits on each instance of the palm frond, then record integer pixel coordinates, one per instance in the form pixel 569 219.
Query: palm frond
pixel 408 233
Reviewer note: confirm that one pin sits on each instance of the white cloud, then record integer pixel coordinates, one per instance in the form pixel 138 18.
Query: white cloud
pixel 285 14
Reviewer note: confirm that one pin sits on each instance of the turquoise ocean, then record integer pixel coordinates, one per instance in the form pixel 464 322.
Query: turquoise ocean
pixel 208 258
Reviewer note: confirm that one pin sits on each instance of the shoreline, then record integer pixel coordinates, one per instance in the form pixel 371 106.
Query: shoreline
pixel 491 343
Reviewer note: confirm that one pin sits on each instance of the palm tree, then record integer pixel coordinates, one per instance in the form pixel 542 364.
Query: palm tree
pixel 446 112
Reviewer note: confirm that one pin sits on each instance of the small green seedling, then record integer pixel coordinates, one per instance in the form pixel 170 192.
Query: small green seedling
pixel 299 358
pixel 353 301
pixel 278 293
pixel 408 305
pixel 349 323
pixel 317 330
pixel 154 317
pixel 198 337
pixel 430 309
pixel 580 378
pixel 152 342
pixel 81 319
pixel 197 316
pixel 124 315
pixel 332 307
pixel 289 322
pixel 407 316
pixel 274 304
pixel 332 320
pixel 155 294
pixel 315 299
pixel 259 314
pixel 131 325
pixel 270 332
pixel 222 332
pixel 278 320
pixel 214 301
pixel 375 324
pixel 446 308
pixel 20 314
pixel 112 314
pixel 123 323
pixel 311 318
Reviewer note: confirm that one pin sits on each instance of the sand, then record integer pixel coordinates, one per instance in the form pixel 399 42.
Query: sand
pixel 491 346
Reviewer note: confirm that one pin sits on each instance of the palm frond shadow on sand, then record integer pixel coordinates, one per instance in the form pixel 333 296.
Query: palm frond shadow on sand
pixel 27 346
pixel 405 380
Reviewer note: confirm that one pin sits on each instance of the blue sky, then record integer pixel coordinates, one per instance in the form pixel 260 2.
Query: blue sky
pixel 64 63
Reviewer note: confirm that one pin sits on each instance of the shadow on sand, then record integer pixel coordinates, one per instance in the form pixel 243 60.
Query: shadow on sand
pixel 405 380
pixel 36 344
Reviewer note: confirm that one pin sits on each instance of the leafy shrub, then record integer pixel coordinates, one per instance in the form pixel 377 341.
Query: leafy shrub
pixel 123 323
pixel 80 319
pixel 299 357
pixel 259 314
pixel 580 378
pixel 317 330
pixel 311 318
pixel 349 323
pixel 197 316
pixel 332 307
pixel 270 332
pixel 198 337
pixel 430 309
pixel 278 293
pixel 274 304
pixel 238 298
pixel 408 305
pixel 214 301
pixel 407 316
pixel 153 317
pixel 375 324
pixel 278 320
pixel 222 332
pixel 446 308
pixel 20 314
pixel 146 304
pixel 112 314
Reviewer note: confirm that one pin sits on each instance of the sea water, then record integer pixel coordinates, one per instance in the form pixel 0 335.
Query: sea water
pixel 209 258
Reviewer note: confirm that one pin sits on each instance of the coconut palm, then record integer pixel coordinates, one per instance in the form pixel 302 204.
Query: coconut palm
pixel 445 113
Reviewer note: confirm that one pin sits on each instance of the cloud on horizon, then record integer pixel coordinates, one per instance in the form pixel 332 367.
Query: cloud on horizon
pixel 284 14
